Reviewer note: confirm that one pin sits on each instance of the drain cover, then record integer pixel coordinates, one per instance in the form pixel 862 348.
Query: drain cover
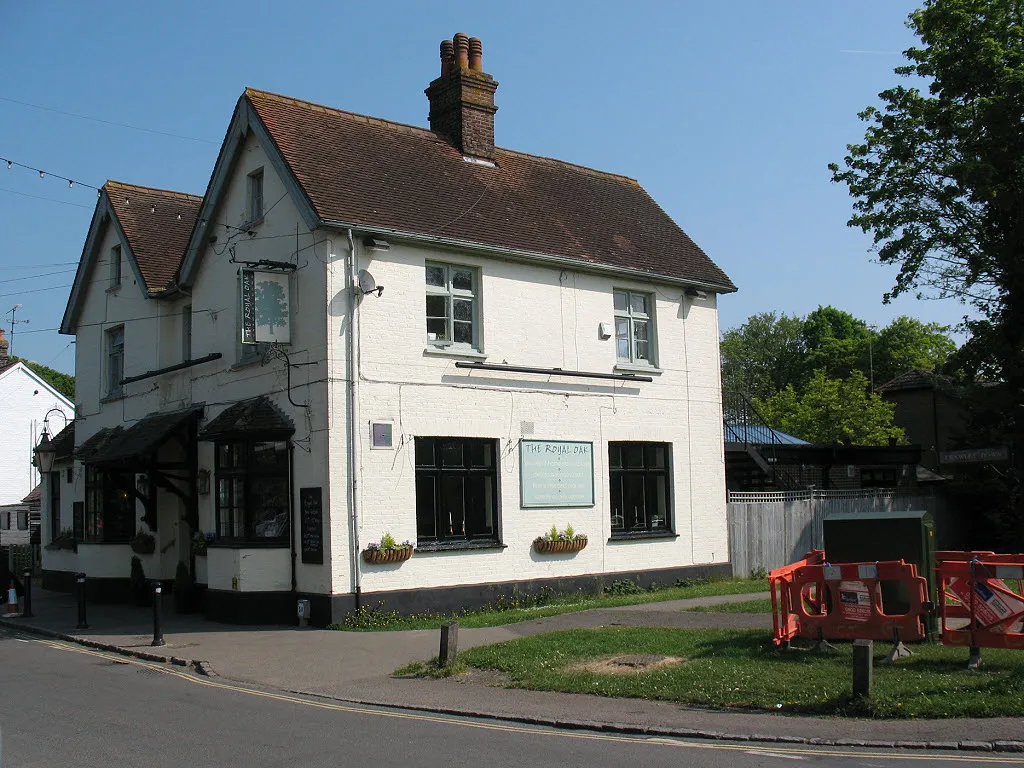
pixel 637 660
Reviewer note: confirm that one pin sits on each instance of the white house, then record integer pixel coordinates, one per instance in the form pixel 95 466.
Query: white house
pixel 365 328
pixel 27 404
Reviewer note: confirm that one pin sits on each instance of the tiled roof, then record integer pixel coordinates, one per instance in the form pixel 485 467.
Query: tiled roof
pixel 157 223
pixel 95 442
pixel 375 173
pixel 915 378
pixel 256 417
pixel 35 496
pixel 144 437
pixel 64 442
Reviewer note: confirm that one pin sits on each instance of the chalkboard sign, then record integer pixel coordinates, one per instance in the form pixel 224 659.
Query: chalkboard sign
pixel 311 511
pixel 556 473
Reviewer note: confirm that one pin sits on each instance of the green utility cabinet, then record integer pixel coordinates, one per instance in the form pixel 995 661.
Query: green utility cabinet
pixel 864 537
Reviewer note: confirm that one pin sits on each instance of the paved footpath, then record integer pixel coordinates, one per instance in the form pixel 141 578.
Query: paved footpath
pixel 356 666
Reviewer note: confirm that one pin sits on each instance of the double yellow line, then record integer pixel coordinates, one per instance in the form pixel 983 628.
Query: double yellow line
pixel 767 750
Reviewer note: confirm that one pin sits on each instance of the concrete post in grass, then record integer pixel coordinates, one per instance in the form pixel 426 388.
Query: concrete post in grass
pixel 863 668
pixel 449 644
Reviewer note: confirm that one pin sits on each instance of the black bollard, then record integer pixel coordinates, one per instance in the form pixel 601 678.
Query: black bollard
pixel 80 584
pixel 158 631
pixel 27 576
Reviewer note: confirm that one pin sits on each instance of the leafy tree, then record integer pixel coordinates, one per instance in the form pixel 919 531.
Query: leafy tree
pixel 908 343
pixel 763 355
pixel 829 410
pixel 836 343
pixel 939 179
pixel 62 382
pixel 271 305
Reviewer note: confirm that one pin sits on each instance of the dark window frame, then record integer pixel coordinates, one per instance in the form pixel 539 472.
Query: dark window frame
pixel 110 512
pixel 235 523
pixel 115 360
pixel 53 502
pixel 437 472
pixel 650 473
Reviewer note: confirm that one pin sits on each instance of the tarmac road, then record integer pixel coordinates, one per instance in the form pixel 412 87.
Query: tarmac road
pixel 65 705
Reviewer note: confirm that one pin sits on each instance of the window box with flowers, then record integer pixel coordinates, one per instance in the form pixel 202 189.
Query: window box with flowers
pixel 200 541
pixel 388 551
pixel 555 541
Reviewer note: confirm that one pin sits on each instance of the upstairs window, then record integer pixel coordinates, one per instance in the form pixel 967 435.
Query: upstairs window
pixel 115 360
pixel 186 332
pixel 452 306
pixel 634 327
pixel 115 266
pixel 256 196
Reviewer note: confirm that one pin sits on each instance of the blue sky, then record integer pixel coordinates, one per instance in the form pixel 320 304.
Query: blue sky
pixel 727 113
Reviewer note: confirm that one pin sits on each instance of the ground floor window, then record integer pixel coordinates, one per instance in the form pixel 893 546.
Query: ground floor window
pixel 5 521
pixel 54 504
pixel 252 492
pixel 109 506
pixel 640 501
pixel 456 489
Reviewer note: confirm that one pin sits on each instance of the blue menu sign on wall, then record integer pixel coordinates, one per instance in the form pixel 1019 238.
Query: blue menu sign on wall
pixel 556 473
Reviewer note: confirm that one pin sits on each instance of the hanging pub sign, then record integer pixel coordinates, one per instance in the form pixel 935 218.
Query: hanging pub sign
pixel 266 313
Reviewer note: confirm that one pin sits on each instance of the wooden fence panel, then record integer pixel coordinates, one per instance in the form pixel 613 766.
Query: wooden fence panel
pixel 769 530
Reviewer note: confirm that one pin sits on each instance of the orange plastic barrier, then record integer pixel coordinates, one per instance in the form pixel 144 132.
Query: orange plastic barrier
pixel 978 608
pixel 816 600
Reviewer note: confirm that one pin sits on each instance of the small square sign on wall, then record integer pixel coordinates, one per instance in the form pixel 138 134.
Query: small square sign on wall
pixel 381 434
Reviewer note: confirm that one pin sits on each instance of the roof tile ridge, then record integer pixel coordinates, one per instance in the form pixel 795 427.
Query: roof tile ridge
pixel 574 166
pixel 368 119
pixel 158 190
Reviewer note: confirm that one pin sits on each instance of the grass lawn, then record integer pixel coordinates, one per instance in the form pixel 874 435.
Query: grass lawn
pixel 761 605
pixel 509 611
pixel 743 669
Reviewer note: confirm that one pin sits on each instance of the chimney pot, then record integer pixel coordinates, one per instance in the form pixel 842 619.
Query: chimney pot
pixel 476 54
pixel 447 56
pixel 461 42
pixel 462 98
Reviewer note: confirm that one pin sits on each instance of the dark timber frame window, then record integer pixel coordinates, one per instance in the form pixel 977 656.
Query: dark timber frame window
pixel 641 500
pixel 53 486
pixel 109 507
pixel 252 492
pixel 456 489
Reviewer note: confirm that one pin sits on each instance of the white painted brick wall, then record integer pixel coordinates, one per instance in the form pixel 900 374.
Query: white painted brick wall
pixel 531 315
pixel 537 317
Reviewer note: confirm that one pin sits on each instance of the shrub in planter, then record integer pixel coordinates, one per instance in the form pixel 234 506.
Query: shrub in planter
pixel 388 551
pixel 143 543
pixel 140 587
pixel 185 592
pixel 200 541
pixel 560 541
pixel 65 540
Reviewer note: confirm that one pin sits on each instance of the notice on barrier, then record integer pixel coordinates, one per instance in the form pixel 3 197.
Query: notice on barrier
pixel 989 605
pixel 854 601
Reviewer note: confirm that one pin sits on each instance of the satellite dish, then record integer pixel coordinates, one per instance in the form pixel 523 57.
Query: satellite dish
pixel 367 284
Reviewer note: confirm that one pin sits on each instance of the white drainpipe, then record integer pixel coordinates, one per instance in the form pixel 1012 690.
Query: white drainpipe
pixel 351 340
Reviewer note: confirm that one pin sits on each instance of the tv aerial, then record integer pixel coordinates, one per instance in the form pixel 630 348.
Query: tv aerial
pixel 367 283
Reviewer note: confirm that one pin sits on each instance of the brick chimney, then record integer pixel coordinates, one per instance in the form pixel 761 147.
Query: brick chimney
pixel 4 357
pixel 462 98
